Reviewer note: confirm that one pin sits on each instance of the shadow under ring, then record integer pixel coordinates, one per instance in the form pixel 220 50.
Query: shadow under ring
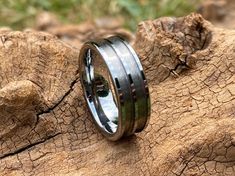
pixel 115 87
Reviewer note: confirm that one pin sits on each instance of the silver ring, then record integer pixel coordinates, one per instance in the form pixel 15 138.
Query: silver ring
pixel 115 87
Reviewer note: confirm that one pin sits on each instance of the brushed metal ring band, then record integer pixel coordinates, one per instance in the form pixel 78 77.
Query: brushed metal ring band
pixel 115 87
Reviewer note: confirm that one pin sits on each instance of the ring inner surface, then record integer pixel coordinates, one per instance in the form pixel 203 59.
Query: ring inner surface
pixel 100 92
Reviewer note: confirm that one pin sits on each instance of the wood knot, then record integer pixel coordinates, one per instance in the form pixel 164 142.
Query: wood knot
pixel 167 46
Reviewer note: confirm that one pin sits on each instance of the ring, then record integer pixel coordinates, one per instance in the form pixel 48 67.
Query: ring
pixel 115 87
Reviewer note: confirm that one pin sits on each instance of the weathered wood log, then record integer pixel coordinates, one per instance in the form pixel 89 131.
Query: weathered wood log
pixel 46 129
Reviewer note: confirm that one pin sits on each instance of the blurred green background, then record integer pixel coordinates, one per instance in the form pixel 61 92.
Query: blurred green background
pixel 19 14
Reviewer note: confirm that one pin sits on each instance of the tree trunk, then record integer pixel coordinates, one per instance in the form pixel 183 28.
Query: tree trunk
pixel 46 129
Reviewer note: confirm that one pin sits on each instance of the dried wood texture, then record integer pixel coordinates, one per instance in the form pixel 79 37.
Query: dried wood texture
pixel 46 128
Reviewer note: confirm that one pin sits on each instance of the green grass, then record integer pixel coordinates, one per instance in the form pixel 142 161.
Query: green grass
pixel 19 14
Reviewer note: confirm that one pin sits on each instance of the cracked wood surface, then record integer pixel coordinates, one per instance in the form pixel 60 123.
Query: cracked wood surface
pixel 46 128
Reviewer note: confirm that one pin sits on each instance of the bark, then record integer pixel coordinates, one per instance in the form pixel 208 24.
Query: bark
pixel 46 128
